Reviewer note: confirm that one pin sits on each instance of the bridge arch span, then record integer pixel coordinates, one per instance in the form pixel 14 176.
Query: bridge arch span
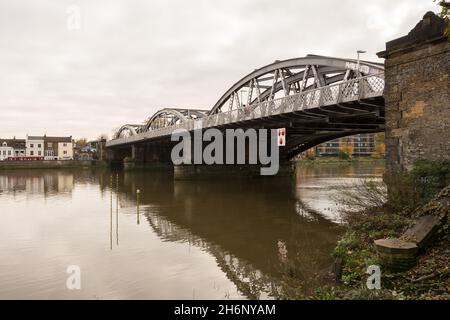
pixel 293 76
pixel 128 130
pixel 170 116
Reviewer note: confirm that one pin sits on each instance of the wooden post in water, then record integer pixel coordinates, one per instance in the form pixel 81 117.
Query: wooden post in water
pixel 111 210
pixel 117 209
pixel 137 204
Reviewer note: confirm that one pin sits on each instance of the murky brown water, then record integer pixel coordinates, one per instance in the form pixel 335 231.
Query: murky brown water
pixel 191 239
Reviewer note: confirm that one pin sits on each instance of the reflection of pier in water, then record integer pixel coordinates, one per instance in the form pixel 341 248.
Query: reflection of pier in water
pixel 255 241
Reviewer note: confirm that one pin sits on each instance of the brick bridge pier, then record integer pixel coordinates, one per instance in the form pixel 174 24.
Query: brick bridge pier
pixel 417 95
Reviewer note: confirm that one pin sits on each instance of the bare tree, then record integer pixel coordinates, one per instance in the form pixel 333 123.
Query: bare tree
pixel 103 136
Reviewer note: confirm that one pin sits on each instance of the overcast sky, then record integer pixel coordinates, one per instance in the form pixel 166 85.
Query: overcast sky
pixel 130 58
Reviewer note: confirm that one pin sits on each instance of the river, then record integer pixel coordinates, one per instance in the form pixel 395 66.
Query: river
pixel 234 239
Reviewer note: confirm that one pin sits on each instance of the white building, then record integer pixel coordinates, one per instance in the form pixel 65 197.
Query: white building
pixel 49 148
pixel 34 146
pixel 6 150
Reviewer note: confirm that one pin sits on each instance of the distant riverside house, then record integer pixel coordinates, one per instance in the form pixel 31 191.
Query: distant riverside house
pixel 363 145
pixel 34 146
pixel 11 148
pixel 5 150
pixel 37 148
pixel 86 152
pixel 49 148
pixel 90 151
pixel 20 147
pixel 58 148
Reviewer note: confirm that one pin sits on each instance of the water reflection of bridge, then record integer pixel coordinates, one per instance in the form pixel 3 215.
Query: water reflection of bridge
pixel 254 233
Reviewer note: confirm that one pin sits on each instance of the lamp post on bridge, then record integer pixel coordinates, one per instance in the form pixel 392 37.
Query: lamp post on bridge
pixel 358 67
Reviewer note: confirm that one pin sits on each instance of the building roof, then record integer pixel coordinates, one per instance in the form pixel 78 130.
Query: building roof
pixel 15 143
pixel 58 139
pixel 50 139
pixel 35 138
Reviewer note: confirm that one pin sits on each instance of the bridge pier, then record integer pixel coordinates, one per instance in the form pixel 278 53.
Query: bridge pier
pixel 145 156
pixel 133 152
pixel 117 156
pixel 417 95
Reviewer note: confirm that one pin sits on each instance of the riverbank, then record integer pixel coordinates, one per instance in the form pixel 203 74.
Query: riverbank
pixel 355 251
pixel 337 160
pixel 41 164
pixel 415 196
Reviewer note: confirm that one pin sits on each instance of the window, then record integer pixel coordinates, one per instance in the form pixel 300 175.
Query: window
pixel 65 152
pixel 31 153
pixel 4 144
pixel 9 152
pixel 31 145
pixel 39 153
pixel 64 144
pixel 50 145
pixel 39 145
pixel 4 152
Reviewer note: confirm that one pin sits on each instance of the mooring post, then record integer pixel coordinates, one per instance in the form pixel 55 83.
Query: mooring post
pixel 137 202
pixel 111 210
pixel 117 209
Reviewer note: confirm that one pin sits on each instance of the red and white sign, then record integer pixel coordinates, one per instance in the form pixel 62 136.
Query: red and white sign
pixel 281 137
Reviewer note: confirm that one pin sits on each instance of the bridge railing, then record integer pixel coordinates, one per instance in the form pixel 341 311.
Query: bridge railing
pixel 355 89
pixel 352 90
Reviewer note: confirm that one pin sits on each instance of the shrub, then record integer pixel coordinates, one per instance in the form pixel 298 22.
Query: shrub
pixel 410 190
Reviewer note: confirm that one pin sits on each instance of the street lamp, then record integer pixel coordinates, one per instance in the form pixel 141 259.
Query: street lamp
pixel 359 63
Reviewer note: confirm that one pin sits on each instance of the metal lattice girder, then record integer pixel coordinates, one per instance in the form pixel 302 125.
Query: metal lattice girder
pixel 170 117
pixel 128 130
pixel 302 74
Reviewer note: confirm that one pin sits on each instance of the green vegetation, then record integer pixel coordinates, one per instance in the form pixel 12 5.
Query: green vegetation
pixel 379 219
pixel 445 7
pixel 429 279
pixel 369 215
pixel 409 191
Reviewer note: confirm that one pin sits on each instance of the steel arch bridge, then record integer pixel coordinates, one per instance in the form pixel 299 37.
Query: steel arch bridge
pixel 316 98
